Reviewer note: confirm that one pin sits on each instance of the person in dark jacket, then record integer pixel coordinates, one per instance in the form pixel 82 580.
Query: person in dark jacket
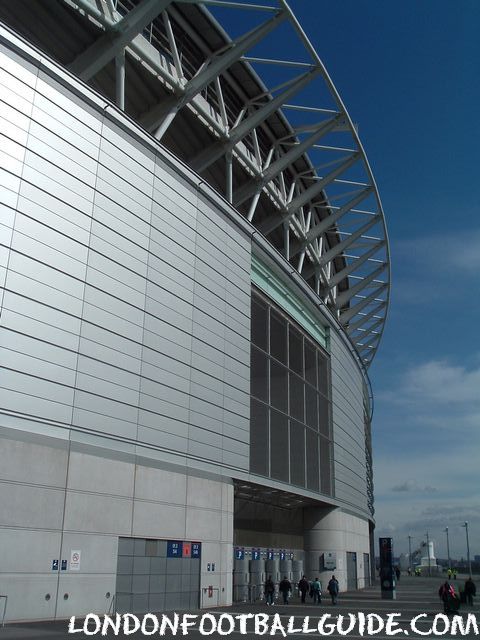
pixel 470 591
pixel 447 595
pixel 269 590
pixel 333 589
pixel 303 587
pixel 285 587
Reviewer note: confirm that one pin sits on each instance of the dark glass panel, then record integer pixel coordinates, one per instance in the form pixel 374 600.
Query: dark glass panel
pixel 259 323
pixel 279 446
pixel 311 407
pixel 259 451
pixel 312 460
pixel 295 348
pixel 323 414
pixel 297 453
pixel 278 337
pixel 259 374
pixel 297 401
pixel 325 466
pixel 278 386
pixel 323 378
pixel 310 364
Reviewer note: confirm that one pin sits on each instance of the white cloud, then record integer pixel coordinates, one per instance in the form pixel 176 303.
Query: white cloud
pixel 414 486
pixel 456 253
pixel 438 381
pixel 426 460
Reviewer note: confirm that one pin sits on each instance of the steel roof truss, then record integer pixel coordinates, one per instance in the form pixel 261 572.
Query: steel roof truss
pixel 317 230
pixel 306 196
pixel 341 246
pixel 285 160
pixel 347 295
pixel 161 116
pixel 355 264
pixel 362 318
pixel 347 315
pixel 88 63
pixel 240 130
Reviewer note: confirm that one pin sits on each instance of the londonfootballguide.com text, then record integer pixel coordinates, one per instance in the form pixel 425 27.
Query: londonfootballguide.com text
pixel 262 624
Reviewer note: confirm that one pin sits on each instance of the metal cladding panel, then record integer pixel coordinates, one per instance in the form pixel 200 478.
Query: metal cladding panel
pixel 350 475
pixel 126 296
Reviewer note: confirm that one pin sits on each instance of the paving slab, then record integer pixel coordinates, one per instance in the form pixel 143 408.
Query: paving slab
pixel 416 596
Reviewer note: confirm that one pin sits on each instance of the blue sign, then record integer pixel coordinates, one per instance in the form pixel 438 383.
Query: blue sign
pixel 64 565
pixel 255 554
pixel 54 565
pixel 239 554
pixel 174 549
pixel 196 549
pixel 270 554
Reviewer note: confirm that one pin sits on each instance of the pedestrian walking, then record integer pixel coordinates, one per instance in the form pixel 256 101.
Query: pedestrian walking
pixel 470 591
pixel 447 595
pixel 285 587
pixel 316 591
pixel 269 591
pixel 303 587
pixel 333 589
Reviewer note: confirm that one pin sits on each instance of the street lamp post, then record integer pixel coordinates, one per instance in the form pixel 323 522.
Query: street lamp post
pixel 468 549
pixel 448 549
pixel 410 563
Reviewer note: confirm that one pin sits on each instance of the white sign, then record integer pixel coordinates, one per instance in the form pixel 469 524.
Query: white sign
pixel 330 560
pixel 75 560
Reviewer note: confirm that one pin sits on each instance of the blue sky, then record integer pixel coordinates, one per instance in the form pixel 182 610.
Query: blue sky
pixel 408 73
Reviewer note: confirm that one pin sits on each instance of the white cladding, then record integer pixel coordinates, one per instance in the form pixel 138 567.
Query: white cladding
pixel 126 301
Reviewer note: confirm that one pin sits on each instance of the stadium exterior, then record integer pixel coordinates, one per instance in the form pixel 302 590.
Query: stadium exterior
pixel 195 279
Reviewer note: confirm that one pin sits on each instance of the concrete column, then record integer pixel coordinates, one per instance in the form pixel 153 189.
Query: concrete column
pixel 332 530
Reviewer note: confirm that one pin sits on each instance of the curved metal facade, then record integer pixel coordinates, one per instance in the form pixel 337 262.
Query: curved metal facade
pixel 126 336
pixel 295 168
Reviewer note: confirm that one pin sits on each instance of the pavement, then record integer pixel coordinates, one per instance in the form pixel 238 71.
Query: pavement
pixel 415 596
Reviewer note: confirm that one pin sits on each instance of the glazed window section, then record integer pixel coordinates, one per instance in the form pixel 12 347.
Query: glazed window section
pixel 290 422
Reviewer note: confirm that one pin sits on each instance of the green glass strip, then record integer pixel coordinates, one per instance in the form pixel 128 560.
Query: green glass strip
pixel 276 289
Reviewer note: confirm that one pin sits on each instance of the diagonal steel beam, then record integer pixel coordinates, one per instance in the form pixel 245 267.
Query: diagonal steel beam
pixel 216 150
pixel 160 117
pixel 347 295
pixel 88 63
pixel 341 246
pixel 250 188
pixel 317 230
pixel 309 194
pixel 353 326
pixel 370 328
pixel 347 315
pixel 355 264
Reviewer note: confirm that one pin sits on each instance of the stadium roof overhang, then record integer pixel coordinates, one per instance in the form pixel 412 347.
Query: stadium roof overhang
pixel 282 149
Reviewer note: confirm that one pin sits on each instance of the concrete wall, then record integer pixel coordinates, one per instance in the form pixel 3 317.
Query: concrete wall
pixel 58 497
